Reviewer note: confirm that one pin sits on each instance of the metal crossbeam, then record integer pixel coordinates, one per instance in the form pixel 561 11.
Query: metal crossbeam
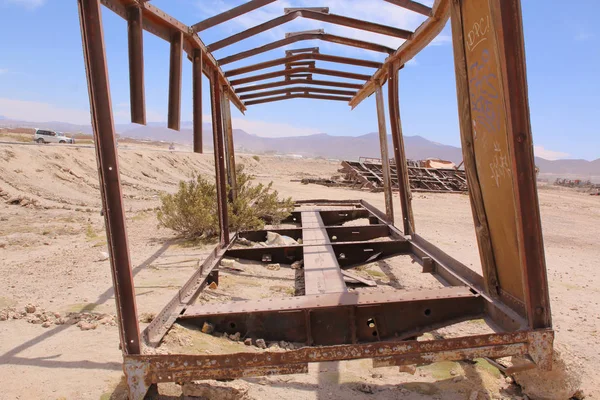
pixel 303 37
pixel 304 56
pixel 315 15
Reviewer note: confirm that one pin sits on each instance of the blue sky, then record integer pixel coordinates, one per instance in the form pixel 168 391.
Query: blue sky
pixel 42 74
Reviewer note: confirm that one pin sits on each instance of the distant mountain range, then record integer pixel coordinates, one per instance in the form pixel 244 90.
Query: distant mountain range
pixel 319 145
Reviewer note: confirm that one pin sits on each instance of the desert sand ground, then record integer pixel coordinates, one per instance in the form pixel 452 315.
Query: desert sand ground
pixel 52 239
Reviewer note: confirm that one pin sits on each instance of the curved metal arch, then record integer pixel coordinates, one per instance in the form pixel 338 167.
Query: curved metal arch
pixel 310 14
pixel 326 37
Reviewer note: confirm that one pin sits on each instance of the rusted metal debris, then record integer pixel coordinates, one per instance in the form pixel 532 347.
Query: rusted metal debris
pixel 367 174
pixel 577 183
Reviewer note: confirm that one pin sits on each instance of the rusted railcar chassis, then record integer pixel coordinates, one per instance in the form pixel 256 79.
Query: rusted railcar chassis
pixel 332 322
pixel 338 325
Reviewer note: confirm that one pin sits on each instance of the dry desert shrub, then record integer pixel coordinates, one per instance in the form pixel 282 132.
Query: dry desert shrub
pixel 192 210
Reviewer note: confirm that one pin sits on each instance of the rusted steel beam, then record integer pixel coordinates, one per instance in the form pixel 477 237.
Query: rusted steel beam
pixel 322 273
pixel 413 6
pixel 307 36
pixel 287 72
pixel 197 99
pixel 163 25
pixel 349 254
pixel 150 369
pixel 385 158
pixel 184 297
pixel 229 149
pixel 229 14
pixel 520 138
pixel 330 18
pixel 108 171
pixel 175 65
pixel 300 89
pixel 408 220
pixel 480 220
pixel 424 35
pixel 336 233
pixel 297 96
pixel 372 315
pixel 303 56
pixel 289 82
pixel 219 152
pixel 135 42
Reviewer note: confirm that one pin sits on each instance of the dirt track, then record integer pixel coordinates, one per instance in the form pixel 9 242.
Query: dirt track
pixel 50 256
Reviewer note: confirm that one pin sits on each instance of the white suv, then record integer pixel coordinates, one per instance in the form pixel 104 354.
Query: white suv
pixel 47 136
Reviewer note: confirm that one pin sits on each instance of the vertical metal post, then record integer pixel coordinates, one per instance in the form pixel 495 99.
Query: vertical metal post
pixel 408 220
pixel 520 138
pixel 175 65
pixel 136 64
pixel 108 170
pixel 217 122
pixel 229 147
pixel 482 227
pixel 197 99
pixel 385 158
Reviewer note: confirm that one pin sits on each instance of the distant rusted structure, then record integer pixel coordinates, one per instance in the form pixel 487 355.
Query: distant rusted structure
pixel 367 173
pixel 512 294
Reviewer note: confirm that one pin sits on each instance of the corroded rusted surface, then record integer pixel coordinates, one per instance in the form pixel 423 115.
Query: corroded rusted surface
pixel 178 367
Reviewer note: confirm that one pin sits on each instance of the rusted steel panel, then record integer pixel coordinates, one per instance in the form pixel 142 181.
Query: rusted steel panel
pixel 174 117
pixel 197 99
pixel 136 65
pixel 108 170
pixel 520 144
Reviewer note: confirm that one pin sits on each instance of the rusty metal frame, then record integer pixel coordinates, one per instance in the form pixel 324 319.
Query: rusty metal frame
pixel 523 327
pixel 285 318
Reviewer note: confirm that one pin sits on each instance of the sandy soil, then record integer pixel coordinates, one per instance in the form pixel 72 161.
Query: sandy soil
pixel 51 256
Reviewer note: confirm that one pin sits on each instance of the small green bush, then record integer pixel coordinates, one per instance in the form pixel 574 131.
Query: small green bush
pixel 192 210
pixel 257 158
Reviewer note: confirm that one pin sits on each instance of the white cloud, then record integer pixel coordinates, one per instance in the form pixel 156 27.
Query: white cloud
pixel 3 71
pixel 271 129
pixel 582 36
pixel 35 111
pixel 30 4
pixel 541 152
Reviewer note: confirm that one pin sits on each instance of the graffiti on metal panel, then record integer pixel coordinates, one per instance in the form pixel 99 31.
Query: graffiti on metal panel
pixel 483 84
pixel 499 165
pixel 477 34
pixel 486 112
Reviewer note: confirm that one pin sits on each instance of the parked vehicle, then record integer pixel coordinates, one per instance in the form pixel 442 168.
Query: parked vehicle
pixel 48 136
